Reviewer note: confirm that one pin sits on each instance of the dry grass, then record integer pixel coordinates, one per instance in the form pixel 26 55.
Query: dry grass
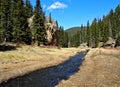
pixel 101 68
pixel 27 59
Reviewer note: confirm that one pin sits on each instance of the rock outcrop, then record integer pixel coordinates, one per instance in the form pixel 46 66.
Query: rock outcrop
pixel 51 30
pixel 83 46
pixel 111 42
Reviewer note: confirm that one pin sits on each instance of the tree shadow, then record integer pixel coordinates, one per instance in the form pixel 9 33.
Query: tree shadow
pixel 48 77
pixel 7 47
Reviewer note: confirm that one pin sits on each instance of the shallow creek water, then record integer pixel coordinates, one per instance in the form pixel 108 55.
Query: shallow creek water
pixel 48 77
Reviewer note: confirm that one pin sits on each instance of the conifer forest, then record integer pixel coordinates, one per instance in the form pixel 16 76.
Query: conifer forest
pixel 14 26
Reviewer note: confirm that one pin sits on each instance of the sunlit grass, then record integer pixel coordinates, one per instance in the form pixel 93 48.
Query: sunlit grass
pixel 28 52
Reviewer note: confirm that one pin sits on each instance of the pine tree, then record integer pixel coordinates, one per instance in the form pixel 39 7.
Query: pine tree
pixel 50 19
pixel 111 24
pixel 61 36
pixel 1 27
pixel 16 20
pixel 77 42
pixel 93 32
pixel 57 26
pixel 105 32
pixel 88 33
pixel 82 33
pixel 6 25
pixel 100 28
pixel 38 23
pixel 117 18
pixel 118 41
pixel 28 9
pixel 80 36
pixel 26 35
pixel 85 33
pixel 20 24
pixel 65 39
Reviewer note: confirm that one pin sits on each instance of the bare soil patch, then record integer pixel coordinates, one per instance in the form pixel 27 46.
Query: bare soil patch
pixel 101 68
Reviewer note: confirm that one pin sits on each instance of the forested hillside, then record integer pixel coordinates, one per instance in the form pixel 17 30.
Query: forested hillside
pixel 72 31
pixel 62 37
pixel 99 31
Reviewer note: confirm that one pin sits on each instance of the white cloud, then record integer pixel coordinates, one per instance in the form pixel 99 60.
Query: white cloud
pixel 57 5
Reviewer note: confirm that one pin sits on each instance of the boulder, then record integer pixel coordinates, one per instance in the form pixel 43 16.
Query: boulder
pixel 83 45
pixel 111 42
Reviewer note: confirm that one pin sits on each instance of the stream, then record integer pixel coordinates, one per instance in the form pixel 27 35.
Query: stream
pixel 48 77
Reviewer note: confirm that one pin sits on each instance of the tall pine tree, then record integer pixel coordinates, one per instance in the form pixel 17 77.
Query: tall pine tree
pixel 88 33
pixel 1 25
pixel 38 23
pixel 20 25
pixel 28 9
pixel 5 25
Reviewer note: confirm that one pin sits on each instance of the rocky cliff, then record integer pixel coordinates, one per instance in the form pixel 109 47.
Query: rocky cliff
pixel 51 30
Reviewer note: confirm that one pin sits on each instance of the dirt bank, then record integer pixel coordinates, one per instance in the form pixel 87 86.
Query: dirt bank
pixel 101 68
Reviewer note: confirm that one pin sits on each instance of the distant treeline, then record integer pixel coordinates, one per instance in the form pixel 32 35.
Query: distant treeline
pixel 99 31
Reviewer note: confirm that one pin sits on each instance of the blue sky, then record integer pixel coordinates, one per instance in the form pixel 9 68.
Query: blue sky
pixel 70 13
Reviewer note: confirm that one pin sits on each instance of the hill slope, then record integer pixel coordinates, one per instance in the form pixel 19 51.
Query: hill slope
pixel 72 31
